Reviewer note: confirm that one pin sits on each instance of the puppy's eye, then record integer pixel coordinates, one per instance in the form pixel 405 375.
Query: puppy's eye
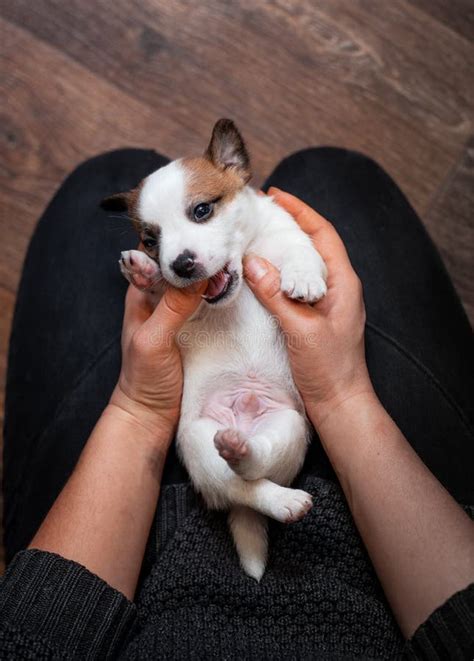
pixel 202 211
pixel 149 243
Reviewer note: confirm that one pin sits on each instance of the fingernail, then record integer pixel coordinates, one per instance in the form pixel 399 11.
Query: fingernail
pixel 255 268
pixel 273 189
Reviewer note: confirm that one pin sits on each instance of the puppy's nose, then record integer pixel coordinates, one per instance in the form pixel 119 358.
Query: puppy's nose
pixel 183 265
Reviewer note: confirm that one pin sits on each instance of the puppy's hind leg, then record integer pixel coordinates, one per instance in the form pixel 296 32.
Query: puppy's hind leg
pixel 221 487
pixel 275 449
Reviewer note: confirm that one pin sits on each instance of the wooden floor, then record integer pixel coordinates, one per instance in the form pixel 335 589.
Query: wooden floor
pixel 391 78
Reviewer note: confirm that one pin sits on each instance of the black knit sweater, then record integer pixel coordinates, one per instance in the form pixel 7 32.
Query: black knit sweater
pixel 319 598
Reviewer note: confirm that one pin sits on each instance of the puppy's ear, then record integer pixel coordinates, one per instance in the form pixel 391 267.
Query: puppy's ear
pixel 227 149
pixel 119 201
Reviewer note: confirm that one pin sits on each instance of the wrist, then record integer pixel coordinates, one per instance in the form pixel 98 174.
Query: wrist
pixel 322 409
pixel 160 424
pixel 346 408
pixel 137 441
pixel 352 431
pixel 140 419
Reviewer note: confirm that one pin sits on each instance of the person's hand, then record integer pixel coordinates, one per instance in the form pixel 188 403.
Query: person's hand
pixel 151 380
pixel 326 341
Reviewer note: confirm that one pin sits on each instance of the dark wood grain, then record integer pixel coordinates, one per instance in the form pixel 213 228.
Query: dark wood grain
pixel 56 113
pixel 291 74
pixel 7 301
pixel 456 14
pixel 450 221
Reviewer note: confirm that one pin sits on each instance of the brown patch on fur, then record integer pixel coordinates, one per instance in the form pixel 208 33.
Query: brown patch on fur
pixel 227 149
pixel 132 203
pixel 125 201
pixel 205 182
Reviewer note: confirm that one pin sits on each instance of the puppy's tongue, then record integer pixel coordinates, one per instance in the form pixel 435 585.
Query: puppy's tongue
pixel 216 284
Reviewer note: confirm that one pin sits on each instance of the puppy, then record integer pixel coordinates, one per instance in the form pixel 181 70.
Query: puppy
pixel 242 433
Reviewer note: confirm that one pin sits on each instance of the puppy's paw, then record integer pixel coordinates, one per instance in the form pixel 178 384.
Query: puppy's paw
pixel 231 445
pixel 139 269
pixel 304 282
pixel 292 505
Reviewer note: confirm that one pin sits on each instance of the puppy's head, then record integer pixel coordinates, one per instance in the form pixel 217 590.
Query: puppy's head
pixel 187 214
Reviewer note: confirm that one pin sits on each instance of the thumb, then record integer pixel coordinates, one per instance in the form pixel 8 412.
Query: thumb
pixel 264 280
pixel 177 305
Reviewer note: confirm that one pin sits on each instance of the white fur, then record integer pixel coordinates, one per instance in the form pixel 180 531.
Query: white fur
pixel 232 350
pixel 162 202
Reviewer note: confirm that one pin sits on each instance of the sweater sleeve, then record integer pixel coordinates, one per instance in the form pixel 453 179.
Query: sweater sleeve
pixel 448 633
pixel 54 608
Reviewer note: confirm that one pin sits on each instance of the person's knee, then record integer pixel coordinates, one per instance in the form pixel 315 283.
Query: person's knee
pixel 76 204
pixel 118 161
pixel 321 162
pixel 113 171
pixel 112 158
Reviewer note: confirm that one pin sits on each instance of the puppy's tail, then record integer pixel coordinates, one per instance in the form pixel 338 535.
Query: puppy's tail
pixel 249 530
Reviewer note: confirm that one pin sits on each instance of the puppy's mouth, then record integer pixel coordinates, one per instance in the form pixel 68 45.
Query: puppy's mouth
pixel 219 285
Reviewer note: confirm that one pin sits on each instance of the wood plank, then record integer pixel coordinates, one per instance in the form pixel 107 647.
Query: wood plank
pixel 7 302
pixel 16 222
pixel 458 15
pixel 292 74
pixel 55 114
pixel 450 223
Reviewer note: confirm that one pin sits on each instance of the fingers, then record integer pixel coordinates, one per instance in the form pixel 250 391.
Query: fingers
pixel 137 309
pixel 176 306
pixel 325 238
pixel 264 280
pixel 307 218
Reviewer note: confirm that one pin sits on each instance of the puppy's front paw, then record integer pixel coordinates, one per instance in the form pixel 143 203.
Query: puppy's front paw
pixel 304 282
pixel 139 269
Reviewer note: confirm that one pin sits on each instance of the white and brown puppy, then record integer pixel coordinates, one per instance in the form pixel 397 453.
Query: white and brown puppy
pixel 242 433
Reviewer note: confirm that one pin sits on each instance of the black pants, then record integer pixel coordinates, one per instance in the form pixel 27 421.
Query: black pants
pixel 65 352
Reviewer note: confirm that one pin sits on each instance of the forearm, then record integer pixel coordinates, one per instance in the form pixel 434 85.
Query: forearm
pixel 420 541
pixel 103 516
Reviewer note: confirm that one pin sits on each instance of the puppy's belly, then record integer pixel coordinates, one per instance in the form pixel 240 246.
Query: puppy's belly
pixel 246 405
